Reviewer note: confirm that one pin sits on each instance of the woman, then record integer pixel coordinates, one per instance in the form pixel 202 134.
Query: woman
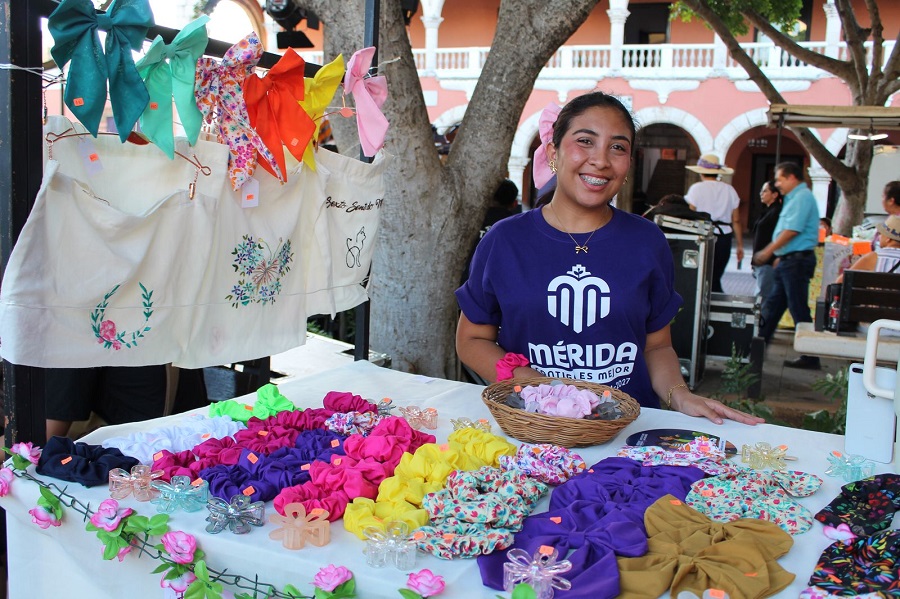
pixel 765 226
pixel 582 289
pixel 721 201
pixel 887 257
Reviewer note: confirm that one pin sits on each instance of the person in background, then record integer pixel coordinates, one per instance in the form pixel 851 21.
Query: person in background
pixel 583 289
pixel 890 201
pixel 762 236
pixel 825 227
pixel 721 201
pixel 887 257
pixel 505 204
pixel 676 206
pixel 794 240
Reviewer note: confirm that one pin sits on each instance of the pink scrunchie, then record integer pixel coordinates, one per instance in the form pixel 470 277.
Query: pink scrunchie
pixel 295 419
pixel 218 451
pixel 387 442
pixel 313 497
pixel 265 440
pixel 338 401
pixel 174 464
pixel 507 365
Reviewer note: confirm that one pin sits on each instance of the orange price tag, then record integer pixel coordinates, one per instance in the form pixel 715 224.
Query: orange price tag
pixel 249 491
pixel 157 456
pixel 250 197
pixel 752 574
pixel 591 470
pixel 444 447
pixel 675 502
pixel 66 460
pixel 706 493
pixel 717 593
pixel 337 462
pixel 545 550
pixel 555 519
pixel 78 101
pixel 304 467
pixel 335 443
pixel 205 435
pixel 154 106
pixel 251 457
pixel 449 536
pixel 262 433
pixel 248 408
pixel 94 157
pixel 317 511
pixel 861 247
pixel 418 535
pixel 197 482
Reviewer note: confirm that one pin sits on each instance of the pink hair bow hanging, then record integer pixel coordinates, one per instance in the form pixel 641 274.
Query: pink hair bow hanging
pixel 369 93
pixel 220 98
pixel 274 109
pixel 541 168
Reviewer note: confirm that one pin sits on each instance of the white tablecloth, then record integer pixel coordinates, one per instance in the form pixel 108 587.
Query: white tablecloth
pixel 66 561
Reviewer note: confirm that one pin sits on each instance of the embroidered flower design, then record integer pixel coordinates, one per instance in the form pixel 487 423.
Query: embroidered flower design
pixel 260 270
pixel 106 331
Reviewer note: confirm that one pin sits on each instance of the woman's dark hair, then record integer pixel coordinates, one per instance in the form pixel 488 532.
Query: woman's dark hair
pixel 892 191
pixel 672 199
pixel 770 185
pixel 580 104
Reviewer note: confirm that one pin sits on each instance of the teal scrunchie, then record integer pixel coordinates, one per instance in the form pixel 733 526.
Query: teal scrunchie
pixel 173 78
pixel 74 26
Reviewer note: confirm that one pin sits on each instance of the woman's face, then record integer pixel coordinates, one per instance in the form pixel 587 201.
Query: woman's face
pixel 593 158
pixel 766 195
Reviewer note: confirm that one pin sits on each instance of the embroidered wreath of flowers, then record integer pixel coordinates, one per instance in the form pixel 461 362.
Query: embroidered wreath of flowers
pixel 105 330
pixel 260 270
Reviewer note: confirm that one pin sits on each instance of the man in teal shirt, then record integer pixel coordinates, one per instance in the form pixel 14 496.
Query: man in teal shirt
pixel 793 244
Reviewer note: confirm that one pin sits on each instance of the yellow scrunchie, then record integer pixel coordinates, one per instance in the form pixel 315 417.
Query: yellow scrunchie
pixel 363 513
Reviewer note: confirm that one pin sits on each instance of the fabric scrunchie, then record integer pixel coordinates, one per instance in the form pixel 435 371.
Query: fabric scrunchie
pixel 865 565
pixel 463 539
pixel 713 462
pixel 215 452
pixel 171 464
pixel 82 463
pixel 506 366
pixel 867 506
pixel 545 462
pixel 338 401
pixel 362 513
pixel 265 440
pixel 353 423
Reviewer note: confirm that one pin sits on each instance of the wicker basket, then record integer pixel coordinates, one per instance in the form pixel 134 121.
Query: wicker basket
pixel 568 432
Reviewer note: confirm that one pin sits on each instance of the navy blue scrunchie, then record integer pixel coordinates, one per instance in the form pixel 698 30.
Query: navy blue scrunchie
pixel 90 464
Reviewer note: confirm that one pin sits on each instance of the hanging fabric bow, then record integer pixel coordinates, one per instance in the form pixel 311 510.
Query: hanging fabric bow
pixel 274 111
pixel 74 26
pixel 298 527
pixel 541 169
pixel 319 91
pixel 237 516
pixel 173 78
pixel 220 97
pixel 369 94
pixel 122 483
pixel 179 493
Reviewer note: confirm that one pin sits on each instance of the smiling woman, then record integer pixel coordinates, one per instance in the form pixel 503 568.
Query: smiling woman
pixel 579 289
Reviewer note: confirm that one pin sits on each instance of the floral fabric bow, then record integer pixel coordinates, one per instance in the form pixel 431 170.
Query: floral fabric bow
pixel 237 516
pixel 541 169
pixel 274 109
pixel 369 94
pixel 391 546
pixel 139 481
pixel 74 26
pixel 179 493
pixel 220 98
pixel 540 570
pixel 168 71
pixel 298 527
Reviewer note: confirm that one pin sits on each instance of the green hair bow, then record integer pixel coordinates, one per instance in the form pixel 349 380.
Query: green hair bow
pixel 173 78
pixel 74 26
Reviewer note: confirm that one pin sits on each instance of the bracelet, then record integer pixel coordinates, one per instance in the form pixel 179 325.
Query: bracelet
pixel 507 365
pixel 672 390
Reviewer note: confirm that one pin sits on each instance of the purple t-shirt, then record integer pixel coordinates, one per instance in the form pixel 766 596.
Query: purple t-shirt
pixel 582 316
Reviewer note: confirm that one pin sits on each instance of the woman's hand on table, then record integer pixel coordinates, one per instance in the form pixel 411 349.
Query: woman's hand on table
pixel 714 410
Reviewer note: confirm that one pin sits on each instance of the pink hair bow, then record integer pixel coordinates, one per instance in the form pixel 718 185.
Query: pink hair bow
pixel 220 98
pixel 541 168
pixel 369 93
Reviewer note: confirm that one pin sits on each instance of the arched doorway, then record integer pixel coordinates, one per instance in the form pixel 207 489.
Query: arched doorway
pixel 663 150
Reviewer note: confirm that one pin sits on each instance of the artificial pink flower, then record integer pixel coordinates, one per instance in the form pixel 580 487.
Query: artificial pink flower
pixel 43 517
pixel 6 478
pixel 108 515
pixel 331 577
pixel 180 584
pixel 426 583
pixel 123 552
pixel 108 330
pixel 27 451
pixel 180 546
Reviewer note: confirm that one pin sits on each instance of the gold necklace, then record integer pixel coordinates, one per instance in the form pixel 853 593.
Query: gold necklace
pixel 578 248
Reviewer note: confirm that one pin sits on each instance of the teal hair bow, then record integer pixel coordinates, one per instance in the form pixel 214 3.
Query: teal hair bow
pixel 170 78
pixel 74 26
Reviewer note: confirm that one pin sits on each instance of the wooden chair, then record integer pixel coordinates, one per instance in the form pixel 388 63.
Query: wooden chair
pixel 866 297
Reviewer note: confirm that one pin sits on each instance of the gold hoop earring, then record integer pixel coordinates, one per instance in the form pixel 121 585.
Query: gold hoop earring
pixel 552 165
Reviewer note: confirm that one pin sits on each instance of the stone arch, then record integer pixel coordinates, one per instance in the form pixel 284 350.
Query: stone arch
pixel 675 116
pixel 527 131
pixel 450 117
pixel 837 140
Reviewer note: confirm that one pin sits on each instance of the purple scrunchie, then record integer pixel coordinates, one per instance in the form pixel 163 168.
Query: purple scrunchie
pixel 90 464
pixel 319 444
pixel 628 482
pixel 595 531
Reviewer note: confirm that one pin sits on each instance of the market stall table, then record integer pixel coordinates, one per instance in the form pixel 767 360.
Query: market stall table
pixel 811 342
pixel 66 561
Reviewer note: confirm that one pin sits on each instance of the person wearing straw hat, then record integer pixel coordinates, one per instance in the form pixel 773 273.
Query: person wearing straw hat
pixel 721 201
pixel 887 257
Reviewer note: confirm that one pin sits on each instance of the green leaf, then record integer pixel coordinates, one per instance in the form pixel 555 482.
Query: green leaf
pixel 197 590
pixel 198 555
pixel 213 590
pixel 160 568
pixel 90 527
pixel 20 463
pixel 408 594
pixel 200 571
pixel 292 591
pixel 110 551
pixel 320 594
pixel 346 589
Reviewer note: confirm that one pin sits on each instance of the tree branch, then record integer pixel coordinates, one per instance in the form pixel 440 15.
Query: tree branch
pixel 877 36
pixel 892 66
pixel 853 34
